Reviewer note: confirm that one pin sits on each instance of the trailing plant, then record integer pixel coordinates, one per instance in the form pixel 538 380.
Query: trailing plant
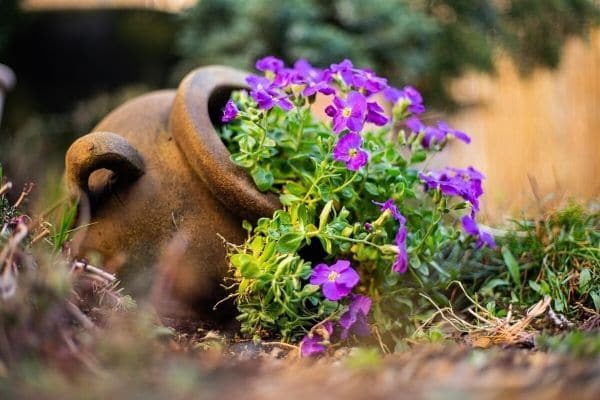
pixel 362 219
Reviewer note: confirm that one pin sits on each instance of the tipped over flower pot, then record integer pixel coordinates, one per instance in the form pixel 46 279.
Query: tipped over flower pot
pixel 155 173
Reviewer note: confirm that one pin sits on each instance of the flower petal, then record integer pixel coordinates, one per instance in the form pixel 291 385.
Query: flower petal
pixel 320 274
pixel 332 292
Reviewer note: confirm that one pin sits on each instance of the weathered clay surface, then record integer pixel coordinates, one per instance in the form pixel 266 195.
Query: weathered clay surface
pixel 162 190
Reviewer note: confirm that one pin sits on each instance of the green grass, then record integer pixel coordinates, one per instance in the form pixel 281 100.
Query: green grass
pixel 556 255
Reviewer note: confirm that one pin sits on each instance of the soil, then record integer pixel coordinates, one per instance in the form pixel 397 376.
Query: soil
pixel 423 372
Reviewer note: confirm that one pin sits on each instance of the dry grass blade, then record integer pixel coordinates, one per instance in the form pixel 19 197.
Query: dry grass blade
pixel 5 188
pixel 490 330
pixel 90 270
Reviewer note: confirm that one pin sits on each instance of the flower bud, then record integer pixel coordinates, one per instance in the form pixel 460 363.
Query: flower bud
pixel 389 249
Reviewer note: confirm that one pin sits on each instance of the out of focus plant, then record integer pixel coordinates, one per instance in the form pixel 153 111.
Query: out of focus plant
pixel 556 255
pixel 423 42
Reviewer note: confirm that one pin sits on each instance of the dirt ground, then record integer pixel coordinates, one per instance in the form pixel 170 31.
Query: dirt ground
pixel 424 372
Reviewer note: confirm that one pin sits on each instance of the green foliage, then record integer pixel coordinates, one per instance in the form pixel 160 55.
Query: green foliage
pixel 61 228
pixel 576 343
pixel 420 42
pixel 328 214
pixel 557 255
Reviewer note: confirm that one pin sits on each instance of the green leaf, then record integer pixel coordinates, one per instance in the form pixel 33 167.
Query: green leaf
pixel 418 156
pixel 247 225
pixel 242 160
pixel 262 178
pixel 513 266
pixel 371 188
pixel 308 290
pixel 596 299
pixel 324 216
pixel 493 283
pixel 535 287
pixel 326 243
pixel 257 245
pixel 290 242
pixel 288 199
pixel 246 264
pixel 585 277
pixel 295 188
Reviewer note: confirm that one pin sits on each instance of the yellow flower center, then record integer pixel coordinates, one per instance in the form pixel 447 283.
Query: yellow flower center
pixel 352 152
pixel 333 276
pixel 270 75
pixel 346 112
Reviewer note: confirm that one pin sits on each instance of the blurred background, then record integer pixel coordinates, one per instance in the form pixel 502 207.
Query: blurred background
pixel 522 77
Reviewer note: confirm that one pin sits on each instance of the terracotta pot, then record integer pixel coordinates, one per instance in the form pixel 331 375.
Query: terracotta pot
pixel 155 169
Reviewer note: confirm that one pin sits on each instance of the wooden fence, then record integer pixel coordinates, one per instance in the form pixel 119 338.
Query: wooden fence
pixel 542 130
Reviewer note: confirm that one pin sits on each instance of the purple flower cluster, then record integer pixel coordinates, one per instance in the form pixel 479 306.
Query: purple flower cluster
pixel 408 97
pixel 465 183
pixel 350 109
pixel 435 134
pixel 268 94
pixel 337 281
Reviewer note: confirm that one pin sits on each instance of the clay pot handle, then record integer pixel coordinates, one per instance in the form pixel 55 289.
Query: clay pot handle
pixel 197 108
pixel 99 150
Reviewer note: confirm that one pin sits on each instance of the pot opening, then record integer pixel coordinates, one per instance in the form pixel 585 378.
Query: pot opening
pixel 216 103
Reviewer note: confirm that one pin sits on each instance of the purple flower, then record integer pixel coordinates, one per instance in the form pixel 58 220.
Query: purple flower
pixel 414 124
pixel 284 78
pixel 316 80
pixel 366 81
pixel 355 318
pixel 392 94
pixel 483 238
pixel 401 264
pixel 470 226
pixel 447 131
pixel 348 114
pixel 343 71
pixel 486 238
pixel 432 134
pixel 312 344
pixel 336 280
pixel 408 94
pixel 416 100
pixel 375 114
pixel 349 151
pixel 391 206
pixel 437 134
pixel 266 94
pixel 269 63
pixel 465 183
pixel 229 112
pixel 429 132
pixel 258 83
